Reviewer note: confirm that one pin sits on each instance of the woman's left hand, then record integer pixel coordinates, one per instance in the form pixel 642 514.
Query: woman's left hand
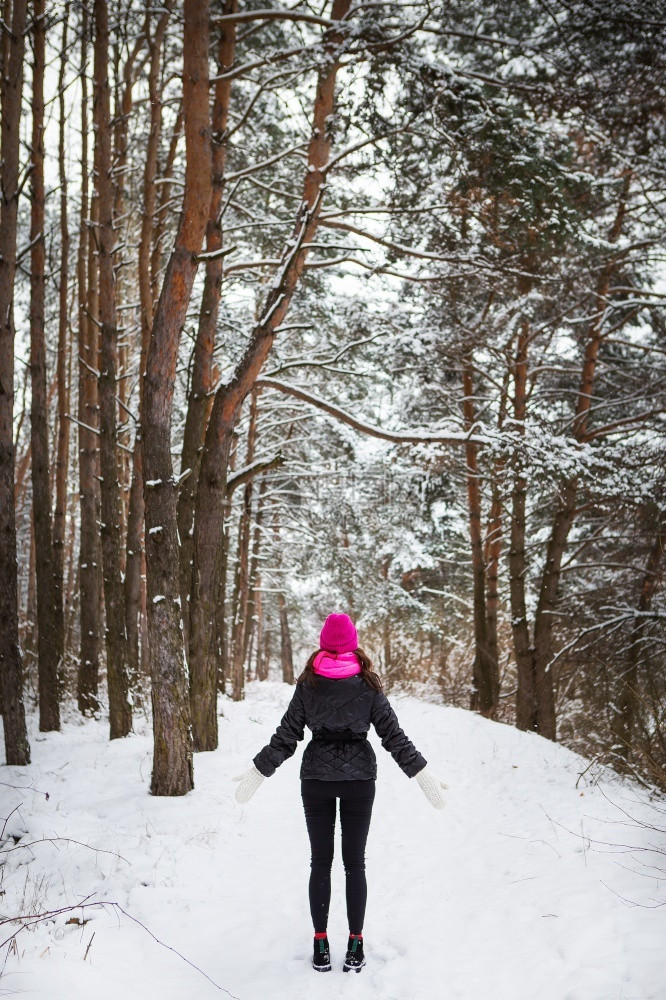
pixel 432 787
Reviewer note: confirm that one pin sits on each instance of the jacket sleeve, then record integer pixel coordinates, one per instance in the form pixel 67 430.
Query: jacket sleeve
pixel 283 741
pixel 393 738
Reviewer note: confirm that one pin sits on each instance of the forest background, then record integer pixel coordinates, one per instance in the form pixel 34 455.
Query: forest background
pixel 341 306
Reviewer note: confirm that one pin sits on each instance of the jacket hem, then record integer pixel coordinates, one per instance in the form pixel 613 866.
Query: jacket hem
pixel 339 777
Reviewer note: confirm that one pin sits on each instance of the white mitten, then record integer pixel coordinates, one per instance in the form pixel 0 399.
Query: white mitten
pixel 431 787
pixel 249 783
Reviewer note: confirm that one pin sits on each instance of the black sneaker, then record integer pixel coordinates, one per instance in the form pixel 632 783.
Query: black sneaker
pixel 321 959
pixel 354 959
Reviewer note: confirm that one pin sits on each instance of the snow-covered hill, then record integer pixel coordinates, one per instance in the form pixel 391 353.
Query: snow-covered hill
pixel 532 883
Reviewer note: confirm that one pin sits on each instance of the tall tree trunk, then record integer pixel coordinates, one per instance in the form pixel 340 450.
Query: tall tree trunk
pixel 145 659
pixel 240 629
pixel 24 462
pixel 48 653
pixel 544 618
pixel 566 506
pixel 285 641
pixel 172 757
pixel 493 551
pixel 624 718
pixel 94 328
pixel 123 104
pixel 387 657
pixel 29 643
pixel 493 541
pixel 133 563
pixel 211 493
pixel 17 748
pixel 89 576
pixel 526 714
pixel 485 691
pixel 134 591
pixel 262 657
pixel 120 711
pixel 221 636
pixel 70 577
pixel 163 204
pixel 253 578
pixel 386 648
pixel 63 370
pixel 201 382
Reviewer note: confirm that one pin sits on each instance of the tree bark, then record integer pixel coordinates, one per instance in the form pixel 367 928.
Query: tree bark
pixel 220 639
pixel 123 105
pixel 120 711
pixel 162 214
pixel 262 657
pixel 201 382
pixel 63 369
pixel 211 494
pixel 526 713
pixel 172 757
pixel 493 541
pixel 254 580
pixel 485 692
pixel 48 654
pixel 29 643
pixel 240 628
pixel 70 576
pixel 94 327
pixel 23 463
pixel 135 518
pixel 493 550
pixel 89 577
pixel 624 720
pixel 286 656
pixel 17 748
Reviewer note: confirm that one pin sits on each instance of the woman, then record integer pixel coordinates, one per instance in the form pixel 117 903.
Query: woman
pixel 337 696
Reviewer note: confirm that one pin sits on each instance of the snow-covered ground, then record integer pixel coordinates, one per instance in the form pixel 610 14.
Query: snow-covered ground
pixel 532 883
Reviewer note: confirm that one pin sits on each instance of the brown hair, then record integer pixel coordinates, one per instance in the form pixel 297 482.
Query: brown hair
pixel 367 670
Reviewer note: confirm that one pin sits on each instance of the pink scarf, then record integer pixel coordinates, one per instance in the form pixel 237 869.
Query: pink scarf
pixel 336 664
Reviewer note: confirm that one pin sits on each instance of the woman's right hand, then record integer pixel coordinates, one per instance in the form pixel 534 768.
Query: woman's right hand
pixel 249 783
pixel 432 787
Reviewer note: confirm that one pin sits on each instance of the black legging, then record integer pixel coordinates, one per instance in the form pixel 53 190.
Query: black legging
pixel 356 798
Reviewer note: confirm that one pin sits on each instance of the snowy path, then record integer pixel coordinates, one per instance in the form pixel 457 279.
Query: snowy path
pixel 510 893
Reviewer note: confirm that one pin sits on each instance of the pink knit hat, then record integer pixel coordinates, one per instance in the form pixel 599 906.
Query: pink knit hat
pixel 338 635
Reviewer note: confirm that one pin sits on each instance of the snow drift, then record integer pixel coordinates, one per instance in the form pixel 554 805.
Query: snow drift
pixel 533 882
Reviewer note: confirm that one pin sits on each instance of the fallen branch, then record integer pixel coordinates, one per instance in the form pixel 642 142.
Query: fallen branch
pixel 29 920
pixel 66 840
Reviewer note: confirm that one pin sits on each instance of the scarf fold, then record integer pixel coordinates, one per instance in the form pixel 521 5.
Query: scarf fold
pixel 336 664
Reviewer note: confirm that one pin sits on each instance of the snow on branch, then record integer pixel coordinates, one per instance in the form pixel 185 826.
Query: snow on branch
pixel 215 254
pixel 237 479
pixel 262 164
pixel 274 14
pixel 417 253
pixel 397 437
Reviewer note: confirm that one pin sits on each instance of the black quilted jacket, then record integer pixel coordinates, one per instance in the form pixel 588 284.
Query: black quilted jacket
pixel 339 712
